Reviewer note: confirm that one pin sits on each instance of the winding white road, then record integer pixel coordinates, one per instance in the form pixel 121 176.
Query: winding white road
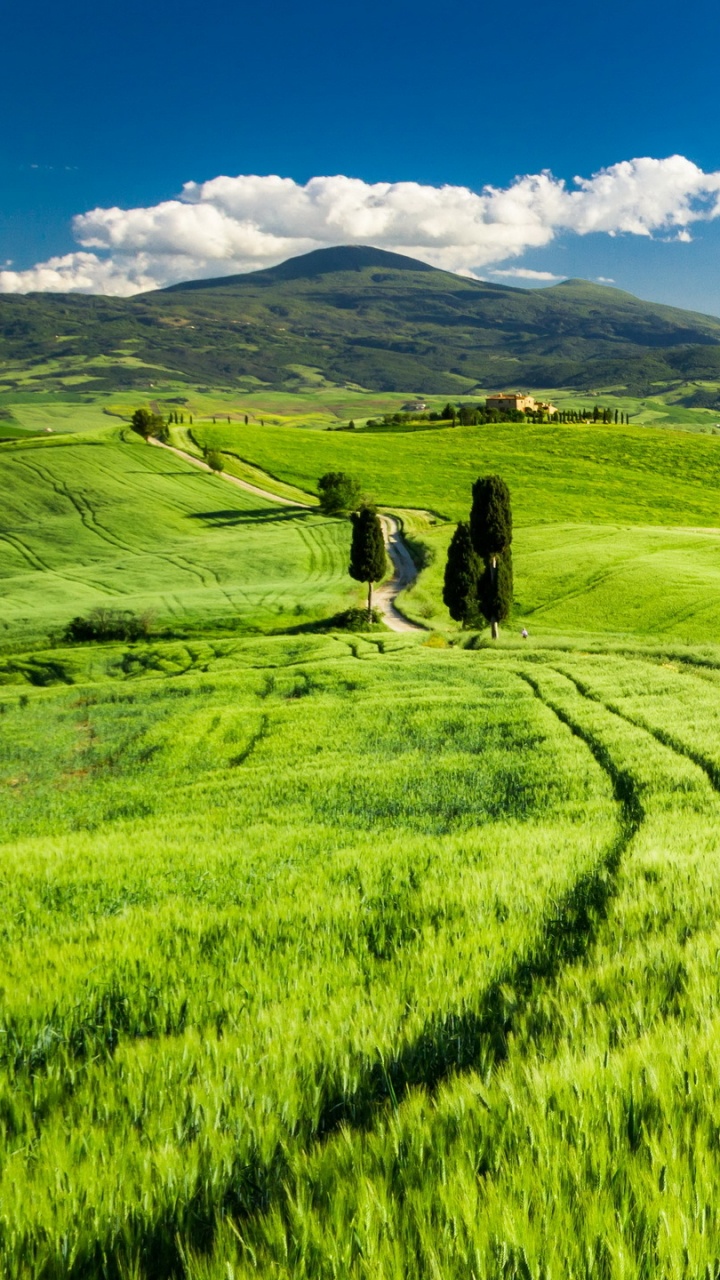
pixel 402 562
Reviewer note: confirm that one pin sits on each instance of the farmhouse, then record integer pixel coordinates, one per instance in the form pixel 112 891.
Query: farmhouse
pixel 414 406
pixel 515 400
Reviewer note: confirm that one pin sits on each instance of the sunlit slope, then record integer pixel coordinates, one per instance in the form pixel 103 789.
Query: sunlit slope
pixel 617 529
pixel 605 475
pixel 603 580
pixel 246 904
pixel 97 521
pixel 589 1147
pixel 356 958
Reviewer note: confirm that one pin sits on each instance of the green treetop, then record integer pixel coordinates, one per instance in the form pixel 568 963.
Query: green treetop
pixel 339 493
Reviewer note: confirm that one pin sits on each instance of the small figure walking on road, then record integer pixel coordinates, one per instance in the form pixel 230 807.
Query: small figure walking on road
pixel 524 633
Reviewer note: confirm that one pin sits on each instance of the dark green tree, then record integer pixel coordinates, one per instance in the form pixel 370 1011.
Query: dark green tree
pixel 146 423
pixel 339 493
pixel 463 569
pixel 449 412
pixel 491 536
pixel 495 590
pixel 368 560
pixel 490 516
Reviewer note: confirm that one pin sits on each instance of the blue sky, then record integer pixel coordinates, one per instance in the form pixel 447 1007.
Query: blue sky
pixel 121 107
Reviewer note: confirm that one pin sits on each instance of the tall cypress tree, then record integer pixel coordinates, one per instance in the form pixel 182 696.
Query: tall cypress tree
pixel 491 536
pixel 368 560
pixel 495 590
pixel 462 575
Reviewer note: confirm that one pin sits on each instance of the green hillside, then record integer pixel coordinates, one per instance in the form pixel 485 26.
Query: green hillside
pixel 334 956
pixel 617 528
pixel 103 521
pixel 360 316
pixel 276 1001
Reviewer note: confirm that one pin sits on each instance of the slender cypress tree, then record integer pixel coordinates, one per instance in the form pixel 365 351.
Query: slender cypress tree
pixel 491 536
pixel 462 574
pixel 368 560
pixel 495 590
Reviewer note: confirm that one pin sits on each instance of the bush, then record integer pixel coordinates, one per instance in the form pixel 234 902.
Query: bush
pixel 214 460
pixel 148 424
pixel 108 624
pixel 339 493
pixel 357 620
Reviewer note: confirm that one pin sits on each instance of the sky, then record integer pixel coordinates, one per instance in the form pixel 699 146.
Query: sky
pixel 519 142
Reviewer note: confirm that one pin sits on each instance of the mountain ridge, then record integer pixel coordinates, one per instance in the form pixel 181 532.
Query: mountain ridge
pixel 360 316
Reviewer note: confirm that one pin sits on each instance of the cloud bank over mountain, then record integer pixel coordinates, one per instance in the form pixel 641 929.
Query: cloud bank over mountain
pixel 229 225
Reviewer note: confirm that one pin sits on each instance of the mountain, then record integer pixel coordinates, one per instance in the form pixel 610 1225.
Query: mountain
pixel 356 315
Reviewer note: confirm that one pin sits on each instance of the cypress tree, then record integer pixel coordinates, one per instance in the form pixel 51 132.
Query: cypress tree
pixel 490 517
pixel 495 590
pixel 367 551
pixel 491 536
pixel 462 574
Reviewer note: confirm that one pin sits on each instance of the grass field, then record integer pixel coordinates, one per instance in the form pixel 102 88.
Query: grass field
pixel 341 957
pixel 276 1001
pixel 99 520
pixel 616 527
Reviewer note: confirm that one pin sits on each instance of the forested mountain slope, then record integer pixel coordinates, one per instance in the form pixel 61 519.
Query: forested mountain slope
pixel 361 316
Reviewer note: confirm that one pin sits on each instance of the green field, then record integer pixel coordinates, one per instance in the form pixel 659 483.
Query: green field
pixel 616 527
pixel 276 1001
pixel 103 520
pixel 358 957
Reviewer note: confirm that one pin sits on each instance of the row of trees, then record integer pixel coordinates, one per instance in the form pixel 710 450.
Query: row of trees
pixel 148 424
pixel 479 574
pixel 471 415
pixel 478 583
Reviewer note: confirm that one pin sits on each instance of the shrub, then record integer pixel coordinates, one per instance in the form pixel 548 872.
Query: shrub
pixel 108 624
pixel 214 460
pixel 357 620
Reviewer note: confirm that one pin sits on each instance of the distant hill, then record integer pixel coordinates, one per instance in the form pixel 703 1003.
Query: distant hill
pixel 357 315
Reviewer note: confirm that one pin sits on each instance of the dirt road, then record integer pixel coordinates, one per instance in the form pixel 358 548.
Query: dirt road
pixel 405 571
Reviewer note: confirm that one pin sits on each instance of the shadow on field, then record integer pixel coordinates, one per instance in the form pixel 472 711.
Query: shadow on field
pixel 259 515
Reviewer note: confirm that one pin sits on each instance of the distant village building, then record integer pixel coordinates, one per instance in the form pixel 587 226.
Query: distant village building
pixel 517 402
pixel 414 406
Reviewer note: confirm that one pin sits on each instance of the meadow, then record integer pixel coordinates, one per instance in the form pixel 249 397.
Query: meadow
pixel 102 520
pixel 359 957
pixel 616 527
pixel 276 1002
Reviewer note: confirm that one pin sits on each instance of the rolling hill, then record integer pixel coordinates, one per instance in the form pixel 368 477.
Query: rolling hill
pixel 358 316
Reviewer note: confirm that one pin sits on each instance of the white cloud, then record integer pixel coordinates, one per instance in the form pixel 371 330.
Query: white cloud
pixel 229 225
pixel 604 279
pixel 525 273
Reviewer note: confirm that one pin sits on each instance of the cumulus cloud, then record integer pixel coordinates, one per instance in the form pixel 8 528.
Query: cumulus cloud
pixel 604 279
pixel 229 225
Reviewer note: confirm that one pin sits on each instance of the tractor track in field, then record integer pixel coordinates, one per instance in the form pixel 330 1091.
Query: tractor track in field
pixel 62 575
pixel 709 767
pixel 90 522
pixel 83 508
pixel 453 1043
